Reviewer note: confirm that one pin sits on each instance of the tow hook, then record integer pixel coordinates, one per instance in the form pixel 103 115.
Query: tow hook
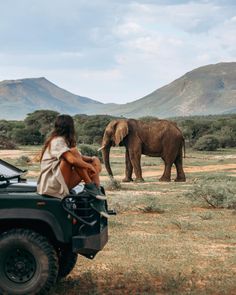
pixel 111 212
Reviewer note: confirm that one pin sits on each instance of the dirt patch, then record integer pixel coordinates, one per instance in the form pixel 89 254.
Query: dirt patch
pixel 11 153
pixel 210 168
pixel 188 169
pixel 33 174
pixel 14 154
pixel 140 233
pixel 185 250
pixel 220 157
pixel 214 250
pixel 192 169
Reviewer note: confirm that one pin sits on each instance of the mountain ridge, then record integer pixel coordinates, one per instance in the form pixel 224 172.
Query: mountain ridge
pixel 205 90
pixel 28 94
pixel 210 89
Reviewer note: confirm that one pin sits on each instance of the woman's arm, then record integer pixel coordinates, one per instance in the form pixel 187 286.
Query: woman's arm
pixel 78 161
pixel 87 159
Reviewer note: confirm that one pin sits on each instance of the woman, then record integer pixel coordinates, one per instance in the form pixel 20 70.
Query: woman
pixel 62 165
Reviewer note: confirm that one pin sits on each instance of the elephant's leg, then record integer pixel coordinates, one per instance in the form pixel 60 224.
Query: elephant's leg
pixel 167 172
pixel 179 168
pixel 135 158
pixel 128 168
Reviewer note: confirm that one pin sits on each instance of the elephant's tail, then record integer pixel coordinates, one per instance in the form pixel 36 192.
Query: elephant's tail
pixel 184 148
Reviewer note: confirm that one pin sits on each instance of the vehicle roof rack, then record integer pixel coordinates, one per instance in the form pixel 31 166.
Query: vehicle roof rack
pixel 8 172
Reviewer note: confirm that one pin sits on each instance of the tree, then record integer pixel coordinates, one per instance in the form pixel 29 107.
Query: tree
pixel 27 136
pixel 7 127
pixel 149 119
pixel 42 121
pixel 90 129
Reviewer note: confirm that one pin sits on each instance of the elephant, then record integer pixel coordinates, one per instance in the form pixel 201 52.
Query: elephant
pixel 158 138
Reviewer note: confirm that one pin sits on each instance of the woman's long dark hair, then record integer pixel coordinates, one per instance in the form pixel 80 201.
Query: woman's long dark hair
pixel 64 126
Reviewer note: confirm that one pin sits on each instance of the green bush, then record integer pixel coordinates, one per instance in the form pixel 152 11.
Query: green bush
pixel 227 137
pixel 27 136
pixel 90 151
pixel 218 192
pixel 113 184
pixel 6 143
pixel 23 160
pixel 152 208
pixel 207 143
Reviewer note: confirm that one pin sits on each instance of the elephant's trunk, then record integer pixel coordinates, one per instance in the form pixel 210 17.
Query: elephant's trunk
pixel 106 159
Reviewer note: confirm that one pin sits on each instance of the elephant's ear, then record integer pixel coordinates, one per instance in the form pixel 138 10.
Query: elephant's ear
pixel 121 131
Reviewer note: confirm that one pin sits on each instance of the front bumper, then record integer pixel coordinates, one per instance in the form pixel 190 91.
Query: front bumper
pixel 88 246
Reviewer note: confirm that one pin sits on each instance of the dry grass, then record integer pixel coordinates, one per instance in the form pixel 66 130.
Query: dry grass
pixel 163 240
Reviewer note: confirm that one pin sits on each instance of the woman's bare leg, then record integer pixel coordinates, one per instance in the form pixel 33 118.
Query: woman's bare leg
pixel 71 175
pixel 83 173
pixel 96 164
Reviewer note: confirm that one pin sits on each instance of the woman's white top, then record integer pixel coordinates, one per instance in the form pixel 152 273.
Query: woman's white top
pixel 51 181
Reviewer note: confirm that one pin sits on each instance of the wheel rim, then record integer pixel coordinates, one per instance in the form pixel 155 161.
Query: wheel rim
pixel 20 266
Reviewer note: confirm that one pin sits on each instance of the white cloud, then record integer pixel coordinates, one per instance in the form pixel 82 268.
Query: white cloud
pixel 128 28
pixel 113 50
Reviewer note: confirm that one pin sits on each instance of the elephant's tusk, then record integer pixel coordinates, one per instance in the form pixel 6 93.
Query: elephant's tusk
pixel 101 148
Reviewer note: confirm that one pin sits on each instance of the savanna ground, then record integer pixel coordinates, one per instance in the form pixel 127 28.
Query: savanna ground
pixel 167 238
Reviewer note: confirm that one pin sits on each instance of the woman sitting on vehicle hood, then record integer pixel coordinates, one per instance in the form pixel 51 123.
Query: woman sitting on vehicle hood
pixel 62 165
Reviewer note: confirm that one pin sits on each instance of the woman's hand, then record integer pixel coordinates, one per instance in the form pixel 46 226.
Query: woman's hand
pixel 91 169
pixel 88 159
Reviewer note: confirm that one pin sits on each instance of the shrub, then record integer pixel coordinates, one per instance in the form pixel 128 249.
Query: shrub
pixel 6 143
pixel 23 160
pixel 151 205
pixel 227 137
pixel 89 151
pixel 207 143
pixel 216 192
pixel 113 184
pixel 152 208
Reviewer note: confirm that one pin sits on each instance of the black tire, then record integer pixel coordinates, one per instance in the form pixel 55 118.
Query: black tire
pixel 28 263
pixel 67 261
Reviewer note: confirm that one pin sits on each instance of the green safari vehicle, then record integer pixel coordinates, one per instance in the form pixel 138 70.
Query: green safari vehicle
pixel 41 236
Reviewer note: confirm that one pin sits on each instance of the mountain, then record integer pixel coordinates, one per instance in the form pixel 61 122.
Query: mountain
pixel 206 90
pixel 20 97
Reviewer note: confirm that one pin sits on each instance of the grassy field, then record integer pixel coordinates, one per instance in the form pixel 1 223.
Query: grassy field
pixel 167 238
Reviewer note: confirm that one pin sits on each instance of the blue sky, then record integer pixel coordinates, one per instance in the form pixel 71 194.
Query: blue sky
pixel 113 50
